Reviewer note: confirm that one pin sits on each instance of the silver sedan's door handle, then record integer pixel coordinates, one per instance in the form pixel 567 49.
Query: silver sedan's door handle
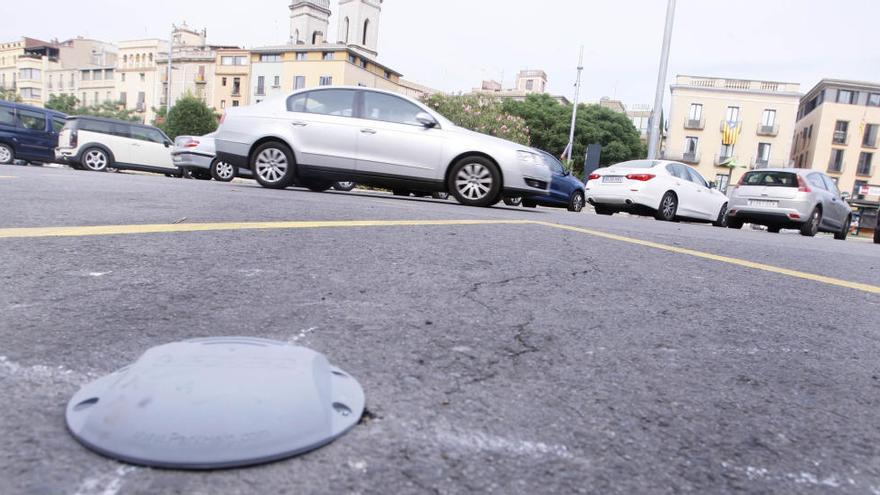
pixel 368 131
pixel 299 123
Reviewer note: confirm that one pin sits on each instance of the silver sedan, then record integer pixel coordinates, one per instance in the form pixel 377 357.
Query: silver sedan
pixel 320 136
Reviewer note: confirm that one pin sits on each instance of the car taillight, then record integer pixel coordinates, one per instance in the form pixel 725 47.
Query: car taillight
pixel 192 143
pixel 640 177
pixel 74 139
pixel 222 118
pixel 802 185
pixel 595 177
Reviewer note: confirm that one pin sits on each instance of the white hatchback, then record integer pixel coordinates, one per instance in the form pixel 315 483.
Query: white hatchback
pixel 99 144
pixel 666 190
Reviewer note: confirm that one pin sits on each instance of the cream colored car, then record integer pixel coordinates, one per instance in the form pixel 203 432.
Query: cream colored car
pixel 99 144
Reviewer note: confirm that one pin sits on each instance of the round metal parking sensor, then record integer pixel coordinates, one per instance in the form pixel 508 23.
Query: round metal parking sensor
pixel 216 403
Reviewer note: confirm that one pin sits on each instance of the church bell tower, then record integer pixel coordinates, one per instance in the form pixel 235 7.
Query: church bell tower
pixel 309 21
pixel 359 23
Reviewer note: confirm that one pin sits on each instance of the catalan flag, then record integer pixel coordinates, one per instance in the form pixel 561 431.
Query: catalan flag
pixel 730 132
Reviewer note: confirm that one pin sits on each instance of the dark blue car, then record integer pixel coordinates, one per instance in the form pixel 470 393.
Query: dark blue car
pixel 28 133
pixel 566 190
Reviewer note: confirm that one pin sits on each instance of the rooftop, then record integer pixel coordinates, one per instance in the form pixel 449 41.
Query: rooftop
pixel 841 83
pixel 737 85
pixel 324 47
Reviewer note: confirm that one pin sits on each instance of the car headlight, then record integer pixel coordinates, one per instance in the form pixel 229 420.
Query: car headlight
pixel 527 157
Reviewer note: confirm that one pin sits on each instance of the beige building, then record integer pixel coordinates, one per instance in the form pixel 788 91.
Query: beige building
pixel 24 65
pixel 714 121
pixel 38 69
pixel 837 132
pixel 87 70
pixel 639 114
pixel 282 69
pixel 137 82
pixel 194 67
pixel 232 71
pixel 309 60
pixel 527 82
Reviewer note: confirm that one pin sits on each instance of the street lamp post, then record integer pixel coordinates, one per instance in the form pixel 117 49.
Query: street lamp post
pixel 654 138
pixel 574 112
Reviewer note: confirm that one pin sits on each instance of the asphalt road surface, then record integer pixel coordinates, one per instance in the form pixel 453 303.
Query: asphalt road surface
pixel 499 352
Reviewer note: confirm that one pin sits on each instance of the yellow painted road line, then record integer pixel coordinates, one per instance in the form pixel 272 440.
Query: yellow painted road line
pixel 25 233
pixel 104 230
pixel 873 289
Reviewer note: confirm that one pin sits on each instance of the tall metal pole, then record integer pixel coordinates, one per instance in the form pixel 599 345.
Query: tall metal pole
pixel 654 136
pixel 574 112
pixel 170 69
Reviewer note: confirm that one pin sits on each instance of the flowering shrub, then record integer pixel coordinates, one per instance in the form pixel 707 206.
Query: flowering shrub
pixel 483 114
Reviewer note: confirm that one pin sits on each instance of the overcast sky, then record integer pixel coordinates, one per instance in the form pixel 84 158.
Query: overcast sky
pixel 453 44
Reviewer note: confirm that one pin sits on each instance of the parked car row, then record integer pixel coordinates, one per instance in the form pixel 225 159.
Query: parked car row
pixel 802 199
pixel 336 137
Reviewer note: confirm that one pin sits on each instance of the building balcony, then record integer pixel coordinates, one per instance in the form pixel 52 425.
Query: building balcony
pixel 141 107
pixel 722 159
pixel 695 124
pixel 768 130
pixel 260 92
pixel 758 163
pixel 693 157
pixel 200 79
pixel 841 138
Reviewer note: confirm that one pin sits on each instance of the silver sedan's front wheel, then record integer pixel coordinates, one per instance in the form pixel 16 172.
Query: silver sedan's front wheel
pixel 273 165
pixel 96 160
pixel 476 181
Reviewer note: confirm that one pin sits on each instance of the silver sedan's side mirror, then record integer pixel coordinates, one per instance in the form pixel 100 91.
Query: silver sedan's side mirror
pixel 426 119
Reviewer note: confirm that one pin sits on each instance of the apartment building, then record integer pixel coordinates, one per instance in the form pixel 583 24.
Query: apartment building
pixel 87 70
pixel 137 83
pixel 725 126
pixel 527 82
pixel 195 65
pixel 838 125
pixel 232 71
pixel 282 69
pixel 23 67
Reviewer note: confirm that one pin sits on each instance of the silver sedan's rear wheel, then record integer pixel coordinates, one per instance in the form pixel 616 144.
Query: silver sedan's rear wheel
pixel 96 160
pixel 273 165
pixel 222 171
pixel 475 181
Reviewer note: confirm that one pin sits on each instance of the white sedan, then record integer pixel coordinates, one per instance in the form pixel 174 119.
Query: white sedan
pixel 666 190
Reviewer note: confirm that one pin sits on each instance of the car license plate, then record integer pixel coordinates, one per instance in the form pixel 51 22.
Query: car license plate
pixel 760 203
pixel 612 180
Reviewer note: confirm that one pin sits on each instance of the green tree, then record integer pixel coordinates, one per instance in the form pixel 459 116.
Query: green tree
pixel 481 114
pixel 63 103
pixel 9 95
pixel 550 122
pixel 189 116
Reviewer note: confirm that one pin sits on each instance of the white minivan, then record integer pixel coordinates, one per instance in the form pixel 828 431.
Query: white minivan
pixel 99 144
